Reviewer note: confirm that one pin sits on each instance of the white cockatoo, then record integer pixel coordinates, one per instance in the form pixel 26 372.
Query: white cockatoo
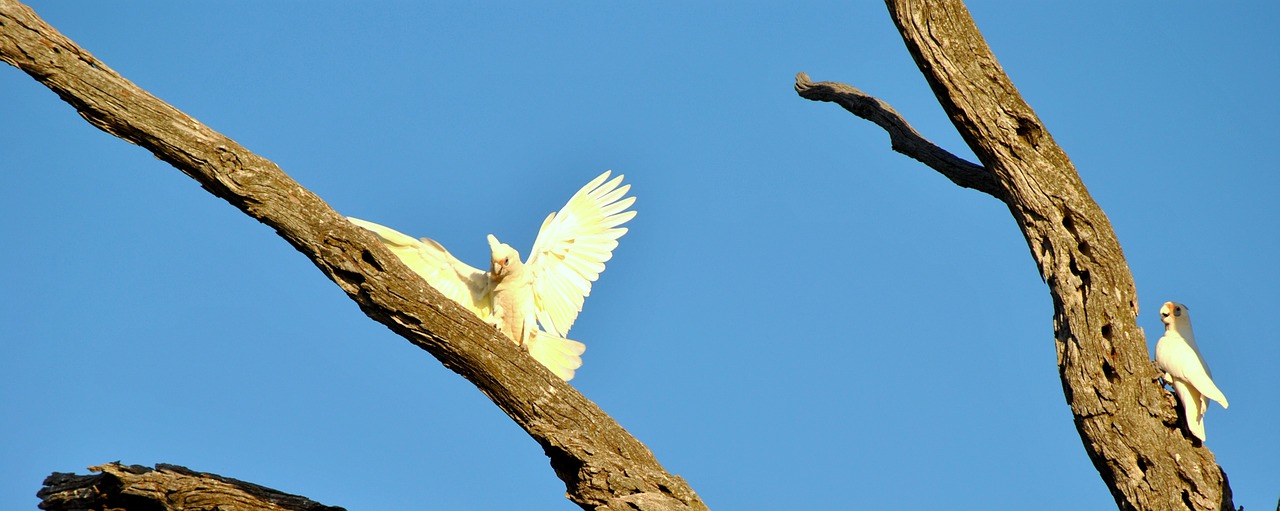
pixel 1178 358
pixel 547 289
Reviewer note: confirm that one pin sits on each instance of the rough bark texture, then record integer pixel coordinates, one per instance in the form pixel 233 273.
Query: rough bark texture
pixel 167 487
pixel 902 137
pixel 602 465
pixel 1126 420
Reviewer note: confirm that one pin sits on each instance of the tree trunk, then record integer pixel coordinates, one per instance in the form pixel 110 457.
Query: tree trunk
pixel 1126 419
pixel 602 465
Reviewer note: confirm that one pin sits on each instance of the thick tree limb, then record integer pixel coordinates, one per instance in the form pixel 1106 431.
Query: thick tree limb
pixel 902 137
pixel 602 465
pixel 1126 420
pixel 167 487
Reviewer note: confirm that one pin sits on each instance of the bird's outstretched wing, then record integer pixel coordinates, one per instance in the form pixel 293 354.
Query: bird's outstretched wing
pixel 453 278
pixel 572 247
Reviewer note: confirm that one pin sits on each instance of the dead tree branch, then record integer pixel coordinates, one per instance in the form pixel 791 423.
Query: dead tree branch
pixel 902 137
pixel 166 487
pixel 1125 419
pixel 603 466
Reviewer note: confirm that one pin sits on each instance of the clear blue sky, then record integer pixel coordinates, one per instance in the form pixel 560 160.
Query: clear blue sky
pixel 799 317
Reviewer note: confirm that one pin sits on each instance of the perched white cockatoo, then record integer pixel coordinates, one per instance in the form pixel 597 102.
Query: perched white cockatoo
pixel 547 289
pixel 1178 357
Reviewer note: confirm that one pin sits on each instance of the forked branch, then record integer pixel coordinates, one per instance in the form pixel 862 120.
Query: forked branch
pixel 902 137
pixel 1125 419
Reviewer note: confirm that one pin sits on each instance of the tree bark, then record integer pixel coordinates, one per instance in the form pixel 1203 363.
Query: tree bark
pixel 1126 420
pixel 602 465
pixel 167 487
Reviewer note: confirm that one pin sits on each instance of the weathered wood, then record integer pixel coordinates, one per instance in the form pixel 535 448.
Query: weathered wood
pixel 119 487
pixel 603 466
pixel 902 137
pixel 1126 420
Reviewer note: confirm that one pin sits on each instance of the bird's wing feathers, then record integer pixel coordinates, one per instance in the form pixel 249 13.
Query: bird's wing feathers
pixel 572 247
pixel 1183 362
pixel 1204 384
pixel 453 278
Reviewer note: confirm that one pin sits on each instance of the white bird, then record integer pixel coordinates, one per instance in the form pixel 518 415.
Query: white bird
pixel 1178 357
pixel 548 289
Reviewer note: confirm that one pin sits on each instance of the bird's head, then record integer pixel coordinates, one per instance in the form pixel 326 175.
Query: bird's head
pixel 503 260
pixel 1175 315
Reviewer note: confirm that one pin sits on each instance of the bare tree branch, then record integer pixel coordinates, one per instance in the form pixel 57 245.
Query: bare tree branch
pixel 167 487
pixel 1126 420
pixel 903 138
pixel 602 465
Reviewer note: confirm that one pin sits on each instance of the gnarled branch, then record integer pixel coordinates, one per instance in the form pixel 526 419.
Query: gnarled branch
pixel 1126 420
pixel 902 137
pixel 166 487
pixel 603 466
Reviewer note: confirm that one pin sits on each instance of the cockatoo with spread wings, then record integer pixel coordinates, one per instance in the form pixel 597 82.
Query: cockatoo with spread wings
pixel 547 290
pixel 1178 357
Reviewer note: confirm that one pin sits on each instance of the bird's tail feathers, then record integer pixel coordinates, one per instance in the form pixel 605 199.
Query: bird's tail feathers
pixel 1193 407
pixel 562 356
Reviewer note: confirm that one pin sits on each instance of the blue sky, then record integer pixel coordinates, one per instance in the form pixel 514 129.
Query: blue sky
pixel 798 317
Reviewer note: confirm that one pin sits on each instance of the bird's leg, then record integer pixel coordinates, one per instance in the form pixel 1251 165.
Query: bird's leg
pixel 495 320
pixel 523 342
pixel 1165 378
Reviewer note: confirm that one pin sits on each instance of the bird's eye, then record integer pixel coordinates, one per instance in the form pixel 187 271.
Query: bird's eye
pixel 506 260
